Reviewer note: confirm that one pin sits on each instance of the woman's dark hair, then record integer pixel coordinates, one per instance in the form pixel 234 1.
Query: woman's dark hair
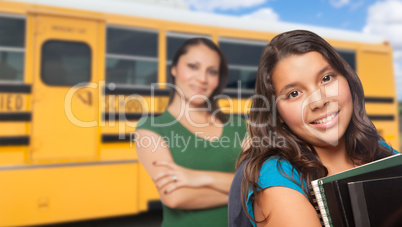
pixel 223 73
pixel 361 137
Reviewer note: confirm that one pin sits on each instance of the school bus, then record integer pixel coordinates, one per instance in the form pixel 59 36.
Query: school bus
pixel 75 77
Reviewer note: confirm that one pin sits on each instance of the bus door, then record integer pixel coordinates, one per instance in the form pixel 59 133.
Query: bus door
pixel 65 88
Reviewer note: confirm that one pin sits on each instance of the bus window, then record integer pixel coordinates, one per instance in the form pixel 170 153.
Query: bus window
pixel 243 58
pixel 349 56
pixel 12 48
pixel 132 56
pixel 174 41
pixel 65 63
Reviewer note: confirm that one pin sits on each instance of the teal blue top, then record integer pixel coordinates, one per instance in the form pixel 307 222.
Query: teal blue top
pixel 191 151
pixel 273 173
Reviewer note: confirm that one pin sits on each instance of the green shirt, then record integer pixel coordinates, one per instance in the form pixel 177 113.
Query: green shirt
pixel 191 151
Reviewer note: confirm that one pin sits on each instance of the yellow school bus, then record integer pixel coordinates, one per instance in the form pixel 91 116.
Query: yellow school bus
pixel 75 76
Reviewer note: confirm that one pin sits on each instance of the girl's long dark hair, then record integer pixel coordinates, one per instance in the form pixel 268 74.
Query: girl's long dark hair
pixel 361 136
pixel 223 73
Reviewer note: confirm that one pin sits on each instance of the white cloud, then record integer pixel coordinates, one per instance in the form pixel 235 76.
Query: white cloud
pixel 339 3
pixel 211 5
pixel 385 19
pixel 353 5
pixel 391 31
pixel 263 14
pixel 398 55
pixel 388 11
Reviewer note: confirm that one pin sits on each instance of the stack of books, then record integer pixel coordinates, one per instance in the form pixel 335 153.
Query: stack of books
pixel 366 196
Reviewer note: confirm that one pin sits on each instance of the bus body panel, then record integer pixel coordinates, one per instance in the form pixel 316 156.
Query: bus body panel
pixel 54 193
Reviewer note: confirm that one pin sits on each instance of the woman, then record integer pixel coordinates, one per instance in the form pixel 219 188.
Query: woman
pixel 321 128
pixel 191 149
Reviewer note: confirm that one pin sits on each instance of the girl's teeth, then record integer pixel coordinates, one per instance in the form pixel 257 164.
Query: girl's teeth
pixel 325 119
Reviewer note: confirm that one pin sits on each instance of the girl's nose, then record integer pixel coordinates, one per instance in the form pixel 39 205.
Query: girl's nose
pixel 317 99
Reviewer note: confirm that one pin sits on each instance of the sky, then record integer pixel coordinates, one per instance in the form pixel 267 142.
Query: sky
pixel 379 17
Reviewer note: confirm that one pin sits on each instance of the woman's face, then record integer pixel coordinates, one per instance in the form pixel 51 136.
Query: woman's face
pixel 313 99
pixel 197 74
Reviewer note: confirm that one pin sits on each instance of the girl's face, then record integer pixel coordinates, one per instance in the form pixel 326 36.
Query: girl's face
pixel 197 74
pixel 313 99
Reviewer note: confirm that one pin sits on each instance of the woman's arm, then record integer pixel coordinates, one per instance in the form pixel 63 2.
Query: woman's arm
pixel 193 189
pixel 220 181
pixel 284 207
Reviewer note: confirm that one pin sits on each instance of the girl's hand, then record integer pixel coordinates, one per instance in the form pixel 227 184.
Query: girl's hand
pixel 176 177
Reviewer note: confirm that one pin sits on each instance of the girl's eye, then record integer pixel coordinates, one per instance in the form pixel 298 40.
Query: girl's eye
pixel 293 94
pixel 327 78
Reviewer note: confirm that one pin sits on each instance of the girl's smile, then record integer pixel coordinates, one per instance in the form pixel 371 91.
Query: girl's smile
pixel 327 121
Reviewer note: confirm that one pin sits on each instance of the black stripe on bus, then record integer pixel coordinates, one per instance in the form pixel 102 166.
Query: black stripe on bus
pixel 71 164
pixel 137 116
pixel 15 88
pixel 124 116
pixel 121 90
pixel 154 205
pixel 23 116
pixel 382 117
pixel 239 93
pixel 112 138
pixel 14 140
pixel 372 117
pixel 379 99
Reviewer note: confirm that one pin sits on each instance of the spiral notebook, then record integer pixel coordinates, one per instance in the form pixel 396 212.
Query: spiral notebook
pixel 333 196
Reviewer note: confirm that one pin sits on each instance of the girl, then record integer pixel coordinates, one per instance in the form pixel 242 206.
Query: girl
pixel 191 149
pixel 321 125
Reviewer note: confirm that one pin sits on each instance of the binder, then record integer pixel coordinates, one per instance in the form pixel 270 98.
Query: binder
pixel 332 192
